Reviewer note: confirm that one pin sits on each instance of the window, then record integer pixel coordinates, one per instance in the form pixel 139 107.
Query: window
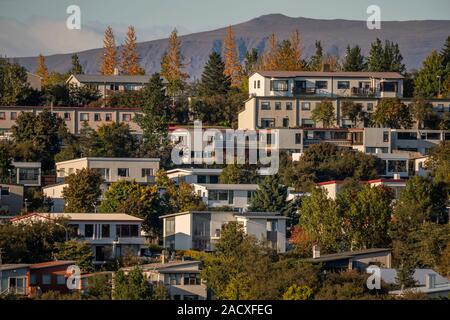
pixel 308 123
pixel 28 174
pixel 288 105
pixel 84 116
pixel 374 150
pixel 114 87
pixel 433 136
pixel 320 84
pixel 2 116
pixel 286 123
pixel 259 84
pixel 103 172
pixel 306 106
pixel 407 135
pixel 213 179
pixel 279 85
pixel 126 117
pixel 440 107
pixel 89 230
pixel 298 138
pixel 66 116
pixel 223 195
pixel 385 136
pixel 127 230
pixel 254 84
pixel 60 280
pixel 265 105
pixel 170 226
pixel 370 106
pixel 397 166
pixel 32 279
pixel 191 279
pixel 176 297
pixel 4 191
pixel 272 225
pixel 175 278
pixel 388 86
pixel 250 194
pixel 277 105
pixel 108 117
pixel 343 85
pixel 97 117
pixel 123 172
pixel 147 172
pixel 267 123
pixel 13 115
pixel 105 231
pixel 46 279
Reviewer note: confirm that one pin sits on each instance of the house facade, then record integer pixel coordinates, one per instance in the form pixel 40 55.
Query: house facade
pixel 200 230
pixel 11 199
pixel 194 175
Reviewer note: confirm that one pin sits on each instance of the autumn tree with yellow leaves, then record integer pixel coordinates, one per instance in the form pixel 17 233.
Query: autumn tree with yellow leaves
pixel 231 59
pixel 130 55
pixel 286 55
pixel 42 70
pixel 171 65
pixel 109 59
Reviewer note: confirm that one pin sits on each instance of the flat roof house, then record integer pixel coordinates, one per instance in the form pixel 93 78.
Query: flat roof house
pixel 234 196
pixel 28 174
pixel 181 278
pixel 14 279
pixel 194 175
pixel 110 235
pixel 200 230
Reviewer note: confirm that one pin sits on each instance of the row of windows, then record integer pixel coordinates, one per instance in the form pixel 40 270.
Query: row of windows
pixel 187 279
pixel 283 85
pixel 121 172
pixel 47 279
pixel 270 123
pixel 103 231
pixel 266 105
pixel 126 117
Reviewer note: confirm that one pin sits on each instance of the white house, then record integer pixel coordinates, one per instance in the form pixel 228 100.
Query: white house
pixel 110 235
pixel 235 196
pixel 27 174
pixel 200 230
pixel 194 175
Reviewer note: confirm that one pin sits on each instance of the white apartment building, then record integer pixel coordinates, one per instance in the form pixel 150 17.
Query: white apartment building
pixel 200 230
pixel 110 235
pixel 234 196
pixel 27 174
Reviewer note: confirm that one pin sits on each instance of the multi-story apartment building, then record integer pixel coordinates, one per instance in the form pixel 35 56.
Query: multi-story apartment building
pixel 201 230
pixel 110 235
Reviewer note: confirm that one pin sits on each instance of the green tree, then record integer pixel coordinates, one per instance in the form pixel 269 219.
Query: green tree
pixel 375 62
pixel 392 113
pixel 5 161
pixel 385 59
pixel 296 292
pixel 82 191
pixel 444 124
pixel 426 83
pixel 270 196
pixel 445 53
pixel 315 63
pixel 422 111
pixel 80 252
pixel 324 112
pixel 354 60
pixel 249 66
pixel 439 165
pixel 14 88
pixel 133 286
pixel 214 81
pixel 98 287
pixel 76 66
pixel 115 140
pixel 238 174
pixel 353 111
pixel 82 96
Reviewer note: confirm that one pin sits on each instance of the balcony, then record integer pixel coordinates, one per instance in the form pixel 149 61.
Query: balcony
pixel 338 142
pixel 362 92
pixel 304 91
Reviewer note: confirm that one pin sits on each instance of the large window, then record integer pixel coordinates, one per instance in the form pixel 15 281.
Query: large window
pixel 191 279
pixel 265 105
pixel 84 116
pixel 279 85
pixel 89 230
pixel 170 226
pixel 105 230
pixel 103 172
pixel 123 172
pixel 127 230
pixel 343 85
pixel 147 172
pixel 28 174
pixel 308 123
pixel 407 135
pixel 306 106
pixel 174 279
pixel 388 86
pixel 321 84
pixel 397 166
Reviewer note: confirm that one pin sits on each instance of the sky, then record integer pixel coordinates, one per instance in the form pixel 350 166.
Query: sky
pixel 38 26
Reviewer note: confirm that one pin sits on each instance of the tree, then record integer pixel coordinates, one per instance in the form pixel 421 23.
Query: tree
pixel 445 53
pixel 270 196
pixel 385 59
pixel 439 165
pixel 296 292
pixel 214 81
pixel 14 88
pixel 392 113
pixel 154 118
pixel 115 140
pixel 320 221
pixel 109 59
pixel 315 64
pixel 80 252
pixel 422 111
pixel 83 95
pixel 324 112
pixel 231 59
pixel 42 70
pixel 5 162
pixel 250 65
pixel 269 58
pixel 133 286
pixel 76 66
pixel 183 198
pixel 352 111
pixel 426 83
pixel 171 65
pixel 82 191
pixel 285 55
pixel 98 287
pixel 130 55
pixel 238 174
pixel 354 60
pixel 444 124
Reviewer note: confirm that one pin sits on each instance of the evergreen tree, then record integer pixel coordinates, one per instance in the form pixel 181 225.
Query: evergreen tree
pixel 238 174
pixel 231 59
pixel 76 66
pixel 82 191
pixel 270 196
pixel 392 113
pixel 80 252
pixel 130 55
pixel 5 162
pixel 42 70
pixel 214 81
pixel 250 65
pixel 171 65
pixel 354 60
pixel 133 286
pixel 269 58
pixel 375 61
pixel 385 59
pixel 315 63
pixel 445 53
pixel 14 88
pixel 426 83
pixel 109 59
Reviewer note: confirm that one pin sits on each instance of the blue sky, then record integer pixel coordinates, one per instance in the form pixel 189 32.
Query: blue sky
pixel 31 26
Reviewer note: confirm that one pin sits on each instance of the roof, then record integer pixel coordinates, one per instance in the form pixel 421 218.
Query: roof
pixel 237 214
pixel 389 276
pixel 11 266
pixel 161 266
pixel 387 180
pixel 196 171
pixel 99 78
pixel 83 216
pixel 445 288
pixel 340 74
pixel 110 159
pixel 347 255
pixel 223 186
pixel 51 264
pixel 71 108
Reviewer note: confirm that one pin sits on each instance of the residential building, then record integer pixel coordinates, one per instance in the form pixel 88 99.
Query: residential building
pixel 200 230
pixel 428 282
pixel 353 260
pixel 181 278
pixel 109 84
pixel 194 175
pixel 11 199
pixel 142 170
pixel 28 174
pixel 110 235
pixel 49 276
pixel 14 279
pixel 234 196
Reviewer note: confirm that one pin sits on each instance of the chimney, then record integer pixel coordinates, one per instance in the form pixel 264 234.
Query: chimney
pixel 116 71
pixel 430 281
pixel 316 251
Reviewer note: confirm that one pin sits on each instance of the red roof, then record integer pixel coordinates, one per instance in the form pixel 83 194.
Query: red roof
pixel 330 182
pixel 29 216
pixel 50 264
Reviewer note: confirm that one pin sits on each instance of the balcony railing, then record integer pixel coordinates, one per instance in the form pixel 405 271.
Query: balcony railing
pixel 362 92
pixel 339 142
pixel 304 91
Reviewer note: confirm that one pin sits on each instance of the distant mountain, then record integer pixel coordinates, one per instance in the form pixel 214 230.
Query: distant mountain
pixel 415 38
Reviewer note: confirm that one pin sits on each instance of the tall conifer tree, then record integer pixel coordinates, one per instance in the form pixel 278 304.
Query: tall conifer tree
pixel 109 59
